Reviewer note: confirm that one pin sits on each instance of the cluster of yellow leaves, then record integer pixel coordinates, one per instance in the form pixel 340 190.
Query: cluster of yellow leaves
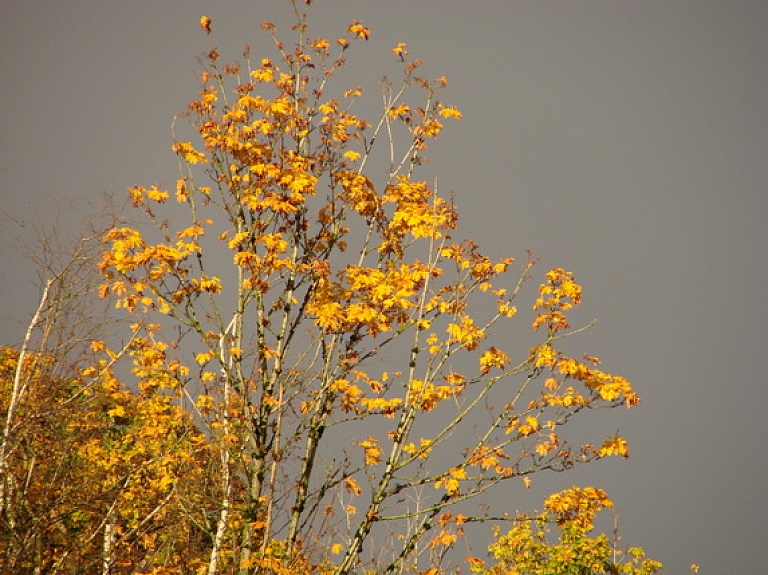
pixel 338 127
pixel 449 112
pixel 557 295
pixel 371 298
pixel 467 257
pixel 475 271
pixel 418 212
pixel 260 256
pixel 387 407
pixel 188 152
pixel 154 424
pixel 152 368
pixel 359 191
pixel 428 395
pixel 528 426
pixel 372 450
pixel 487 457
pixel 578 505
pixel 491 358
pixel 451 481
pixel 352 398
pixel 351 486
pixel 359 30
pixel 603 386
pixel 135 271
pixel 400 50
pixel 422 451
pixel 466 333
pixel 205 24
pixel 614 445
pixel 444 538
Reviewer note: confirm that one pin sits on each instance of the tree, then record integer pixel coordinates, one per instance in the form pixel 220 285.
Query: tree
pixel 318 382
pixel 526 550
pixel 89 471
pixel 38 389
pixel 330 267
pixel 99 480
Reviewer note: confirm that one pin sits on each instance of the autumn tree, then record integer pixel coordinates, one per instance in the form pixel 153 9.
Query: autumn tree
pixel 306 305
pixel 527 548
pixel 89 469
pixel 92 476
pixel 34 376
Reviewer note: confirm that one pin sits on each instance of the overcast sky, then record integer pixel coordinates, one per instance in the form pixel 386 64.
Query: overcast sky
pixel 626 141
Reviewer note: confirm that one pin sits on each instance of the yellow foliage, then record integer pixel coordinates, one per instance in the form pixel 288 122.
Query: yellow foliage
pixel 614 445
pixel 493 358
pixel 451 482
pixel 466 333
pixel 352 486
pixel 186 151
pixel 372 450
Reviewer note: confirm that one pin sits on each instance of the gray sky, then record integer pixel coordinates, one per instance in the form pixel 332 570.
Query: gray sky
pixel 626 141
